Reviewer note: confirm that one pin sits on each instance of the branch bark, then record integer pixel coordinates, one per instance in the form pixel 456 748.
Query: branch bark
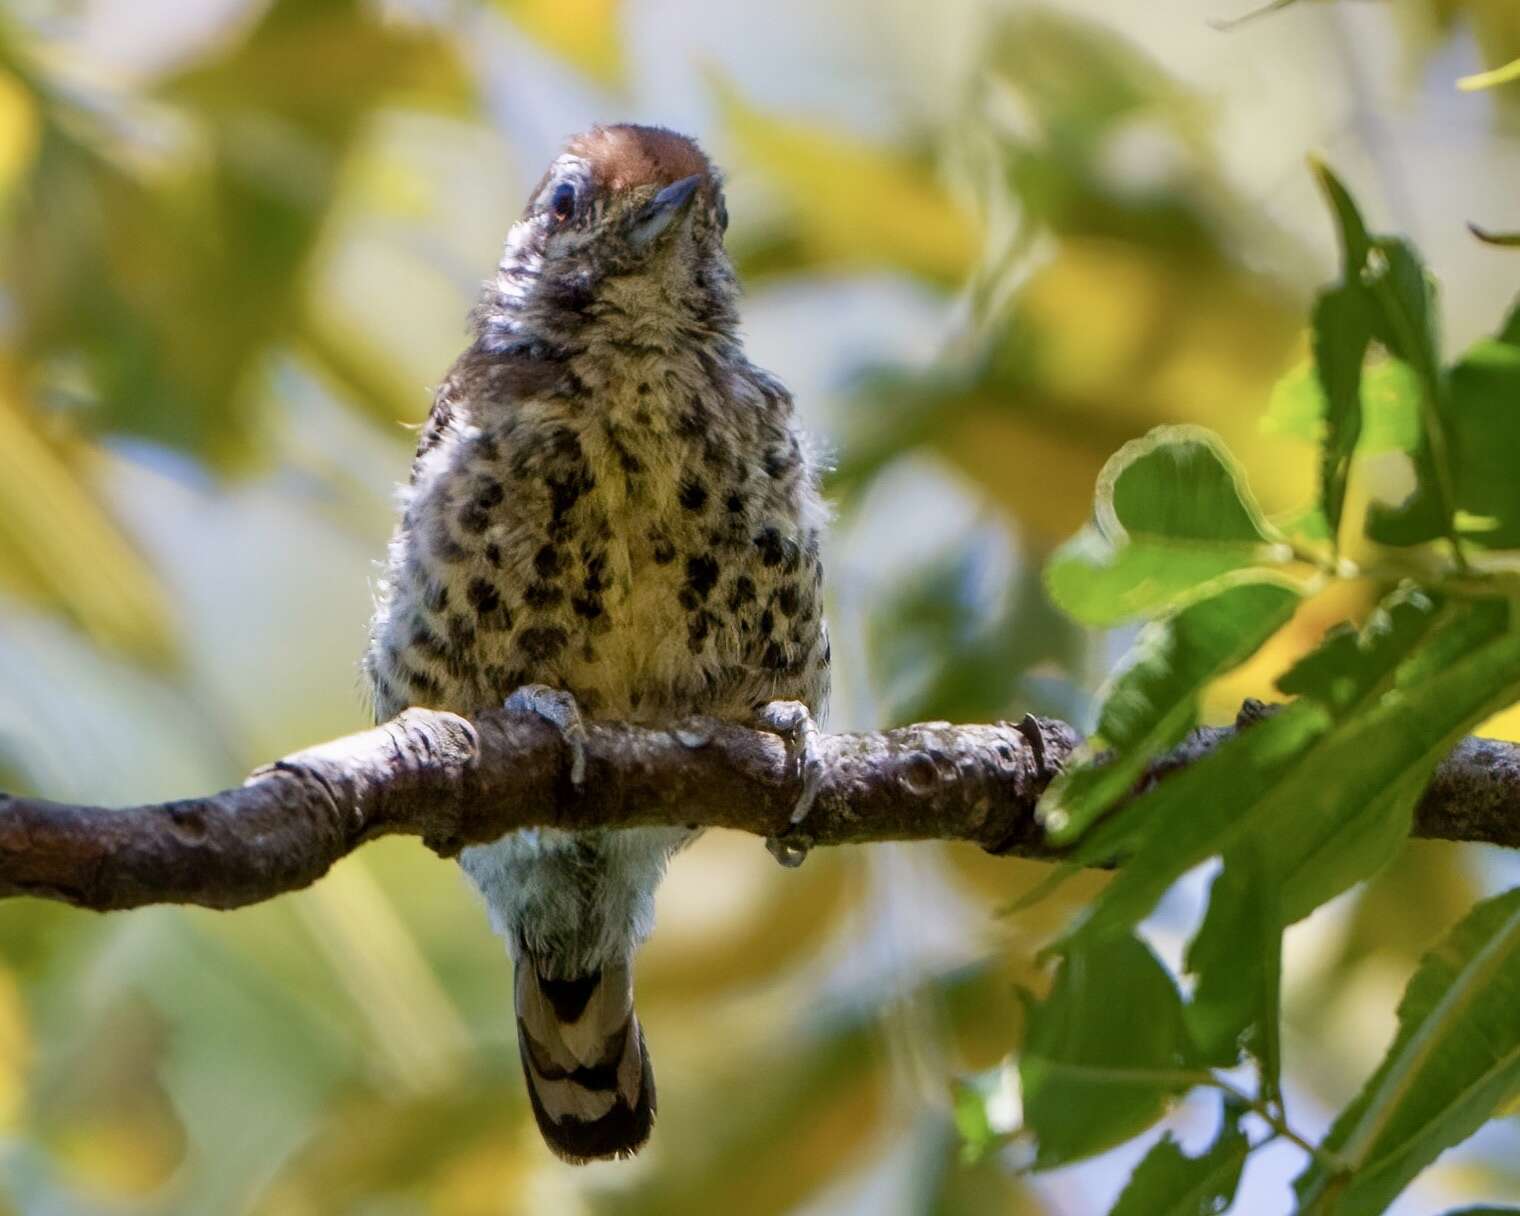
pixel 456 782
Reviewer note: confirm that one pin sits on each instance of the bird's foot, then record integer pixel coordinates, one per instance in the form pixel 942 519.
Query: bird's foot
pixel 558 707
pixel 793 721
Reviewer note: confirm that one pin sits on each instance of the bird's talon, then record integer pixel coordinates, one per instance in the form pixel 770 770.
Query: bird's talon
pixel 793 721
pixel 812 782
pixel 788 850
pixel 557 707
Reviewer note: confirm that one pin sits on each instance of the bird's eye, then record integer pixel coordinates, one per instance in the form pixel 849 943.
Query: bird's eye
pixel 722 215
pixel 562 202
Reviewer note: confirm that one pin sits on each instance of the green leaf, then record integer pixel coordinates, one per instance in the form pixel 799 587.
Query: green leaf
pixel 1104 1053
pixel 1237 957
pixel 955 638
pixel 1077 84
pixel 1384 294
pixel 1306 524
pixel 1390 407
pixel 1404 321
pixel 970 1096
pixel 1356 245
pixel 1153 701
pixel 1484 1211
pixel 1454 1061
pixel 159 301
pixel 1485 392
pixel 946 1184
pixel 1505 240
pixel 1326 795
pixel 1296 407
pixel 1170 1183
pixel 1484 435
pixel 1463 627
pixel 1342 330
pixel 1343 812
pixel 1350 666
pixel 1196 813
pixel 1174 522
pixel 1510 330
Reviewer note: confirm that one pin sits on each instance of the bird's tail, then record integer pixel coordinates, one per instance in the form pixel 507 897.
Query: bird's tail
pixel 588 1075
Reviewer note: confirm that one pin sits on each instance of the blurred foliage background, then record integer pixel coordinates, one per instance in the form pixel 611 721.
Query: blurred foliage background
pixel 985 243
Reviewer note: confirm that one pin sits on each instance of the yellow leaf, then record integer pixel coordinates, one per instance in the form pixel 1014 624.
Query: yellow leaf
pixel 473 1183
pixel 1508 74
pixel 417 1031
pixel 380 1148
pixel 18 132
pixel 1342 600
pixel 15 1052
pixel 1503 725
pixel 348 361
pixel 1036 466
pixel 1128 338
pixel 120 1157
pixel 852 203
pixel 585 32
pixel 59 546
pixel 726 924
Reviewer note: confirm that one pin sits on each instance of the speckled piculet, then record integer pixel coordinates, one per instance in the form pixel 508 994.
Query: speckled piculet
pixel 612 513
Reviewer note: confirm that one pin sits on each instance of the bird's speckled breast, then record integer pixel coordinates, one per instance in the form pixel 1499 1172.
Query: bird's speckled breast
pixel 649 543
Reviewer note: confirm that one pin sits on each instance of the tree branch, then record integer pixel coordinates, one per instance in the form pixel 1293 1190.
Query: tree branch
pixel 455 782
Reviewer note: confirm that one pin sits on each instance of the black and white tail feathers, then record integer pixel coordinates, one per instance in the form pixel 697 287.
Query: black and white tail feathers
pixel 587 1072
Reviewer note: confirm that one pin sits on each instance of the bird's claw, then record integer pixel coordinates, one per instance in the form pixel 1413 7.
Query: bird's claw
pixel 793 721
pixel 557 707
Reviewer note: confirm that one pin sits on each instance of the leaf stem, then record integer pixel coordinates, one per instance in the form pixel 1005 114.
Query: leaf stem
pixel 1311 557
pixel 1273 1115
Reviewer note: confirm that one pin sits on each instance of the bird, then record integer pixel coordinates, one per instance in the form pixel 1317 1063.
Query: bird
pixel 612 514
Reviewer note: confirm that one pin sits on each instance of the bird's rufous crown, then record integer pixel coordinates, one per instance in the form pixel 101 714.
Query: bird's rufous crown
pixel 625 156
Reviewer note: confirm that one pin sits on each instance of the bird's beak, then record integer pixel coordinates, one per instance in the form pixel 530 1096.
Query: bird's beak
pixel 662 210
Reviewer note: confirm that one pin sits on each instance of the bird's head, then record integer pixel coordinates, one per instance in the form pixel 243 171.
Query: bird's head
pixel 626 228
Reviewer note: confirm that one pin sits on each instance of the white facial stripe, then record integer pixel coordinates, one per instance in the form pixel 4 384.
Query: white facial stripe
pixel 567 168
